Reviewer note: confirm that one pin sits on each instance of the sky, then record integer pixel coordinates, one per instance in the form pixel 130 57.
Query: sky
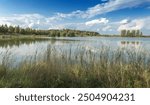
pixel 103 16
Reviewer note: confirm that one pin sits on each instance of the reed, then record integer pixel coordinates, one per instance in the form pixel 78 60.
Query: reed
pixel 79 68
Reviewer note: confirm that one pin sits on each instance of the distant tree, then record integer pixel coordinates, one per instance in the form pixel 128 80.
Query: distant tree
pixel 138 33
pixel 22 31
pixel 11 29
pixel 71 34
pixel 123 33
pixel 4 29
pixel 141 34
pixel 131 33
pixel 63 34
pixel 17 29
pixel 128 33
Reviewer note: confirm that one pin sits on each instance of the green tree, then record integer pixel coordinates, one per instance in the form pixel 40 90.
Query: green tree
pixel 138 33
pixel 11 29
pixel 133 33
pixel 141 34
pixel 17 29
pixel 123 33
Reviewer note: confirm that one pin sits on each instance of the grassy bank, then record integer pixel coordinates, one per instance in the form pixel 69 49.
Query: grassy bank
pixel 20 37
pixel 104 69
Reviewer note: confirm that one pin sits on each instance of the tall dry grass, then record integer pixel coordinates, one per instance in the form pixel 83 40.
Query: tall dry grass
pixel 78 68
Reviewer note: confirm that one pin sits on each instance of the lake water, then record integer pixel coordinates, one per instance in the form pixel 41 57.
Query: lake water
pixel 18 51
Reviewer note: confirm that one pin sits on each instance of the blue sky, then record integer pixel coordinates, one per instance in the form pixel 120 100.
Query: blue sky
pixel 46 7
pixel 103 16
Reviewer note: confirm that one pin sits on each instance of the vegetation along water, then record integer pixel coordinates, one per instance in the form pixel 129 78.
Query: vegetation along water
pixel 30 58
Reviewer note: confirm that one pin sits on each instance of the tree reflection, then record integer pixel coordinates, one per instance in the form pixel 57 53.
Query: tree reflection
pixel 135 44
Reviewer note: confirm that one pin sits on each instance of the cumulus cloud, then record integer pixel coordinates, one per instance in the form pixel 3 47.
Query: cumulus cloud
pixel 58 21
pixel 101 25
pixel 29 20
pixel 136 24
pixel 97 21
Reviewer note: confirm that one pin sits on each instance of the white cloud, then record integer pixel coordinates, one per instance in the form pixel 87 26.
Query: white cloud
pixel 29 20
pixel 124 21
pixel 147 23
pixel 97 21
pixel 140 23
pixel 133 25
pixel 114 27
pixel 107 28
pixel 101 25
pixel 59 20
pixel 76 13
pixel 111 5
pixel 57 27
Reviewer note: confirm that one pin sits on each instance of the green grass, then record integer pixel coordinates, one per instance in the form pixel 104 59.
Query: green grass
pixel 80 69
pixel 20 37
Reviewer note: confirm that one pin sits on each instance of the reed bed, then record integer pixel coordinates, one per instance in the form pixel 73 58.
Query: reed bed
pixel 79 68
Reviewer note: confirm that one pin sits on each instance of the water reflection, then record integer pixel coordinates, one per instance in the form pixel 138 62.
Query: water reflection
pixel 20 50
pixel 25 49
pixel 12 43
pixel 131 44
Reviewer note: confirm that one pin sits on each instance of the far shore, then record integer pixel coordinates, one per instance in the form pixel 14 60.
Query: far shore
pixel 30 37
pixel 21 37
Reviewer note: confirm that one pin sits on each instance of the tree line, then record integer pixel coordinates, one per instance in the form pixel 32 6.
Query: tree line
pixel 131 33
pixel 17 30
